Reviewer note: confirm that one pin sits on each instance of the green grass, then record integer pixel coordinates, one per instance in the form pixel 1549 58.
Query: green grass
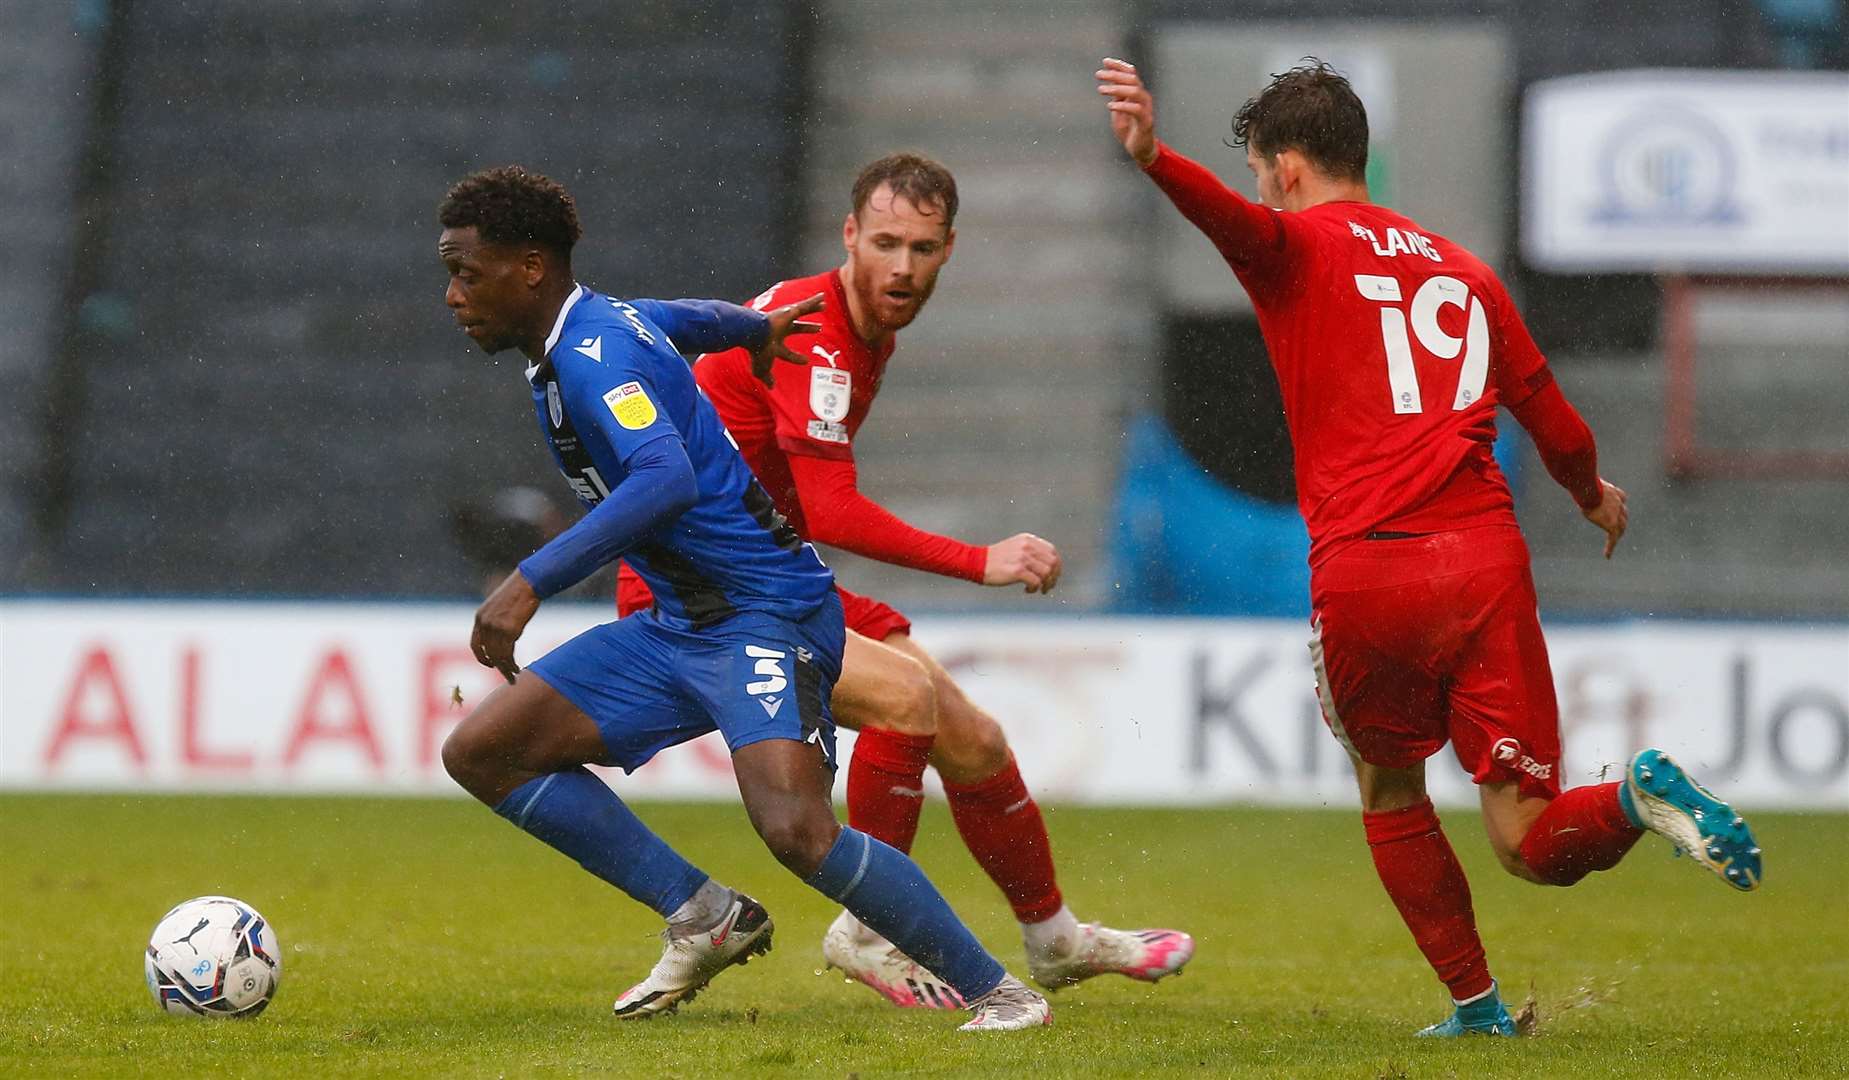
pixel 426 937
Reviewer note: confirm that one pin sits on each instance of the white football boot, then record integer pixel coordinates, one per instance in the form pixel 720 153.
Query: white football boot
pixel 690 961
pixel 1011 1006
pixel 878 964
pixel 1144 955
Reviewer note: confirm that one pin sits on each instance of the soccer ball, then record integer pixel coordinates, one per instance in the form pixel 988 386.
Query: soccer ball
pixel 213 956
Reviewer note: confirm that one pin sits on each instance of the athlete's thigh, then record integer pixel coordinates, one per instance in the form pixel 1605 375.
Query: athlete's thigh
pixel 955 710
pixel 882 687
pixel 1505 719
pixel 759 677
pixel 623 676
pixel 1379 695
pixel 530 727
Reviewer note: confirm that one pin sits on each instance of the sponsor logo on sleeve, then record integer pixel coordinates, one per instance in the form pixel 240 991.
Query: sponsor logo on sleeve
pixel 828 431
pixel 631 406
pixel 830 390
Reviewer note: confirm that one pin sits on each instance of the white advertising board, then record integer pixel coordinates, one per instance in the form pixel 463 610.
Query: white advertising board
pixel 358 698
pixel 1727 172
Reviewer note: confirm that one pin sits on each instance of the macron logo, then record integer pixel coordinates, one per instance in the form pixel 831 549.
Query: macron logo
pixel 771 705
pixel 592 347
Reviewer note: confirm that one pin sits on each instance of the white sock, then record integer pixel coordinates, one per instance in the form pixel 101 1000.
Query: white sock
pixel 703 909
pixel 1052 939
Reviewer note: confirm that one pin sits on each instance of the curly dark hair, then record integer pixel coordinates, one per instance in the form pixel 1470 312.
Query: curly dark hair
pixel 1310 109
pixel 917 178
pixel 509 205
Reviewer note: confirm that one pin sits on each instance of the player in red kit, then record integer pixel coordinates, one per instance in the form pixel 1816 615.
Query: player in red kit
pixel 797 433
pixel 1392 347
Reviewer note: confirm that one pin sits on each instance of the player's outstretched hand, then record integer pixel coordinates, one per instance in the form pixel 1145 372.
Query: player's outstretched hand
pixel 1133 110
pixel 499 623
pixel 1610 515
pixel 1023 559
pixel 785 321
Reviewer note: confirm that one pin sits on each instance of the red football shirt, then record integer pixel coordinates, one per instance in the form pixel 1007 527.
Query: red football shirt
pixel 1392 347
pixel 798 437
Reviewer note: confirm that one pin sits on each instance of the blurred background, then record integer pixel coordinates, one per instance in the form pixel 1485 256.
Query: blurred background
pixel 228 370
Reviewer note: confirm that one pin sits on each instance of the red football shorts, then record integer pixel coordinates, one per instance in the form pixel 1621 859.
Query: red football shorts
pixel 1423 640
pixel 865 615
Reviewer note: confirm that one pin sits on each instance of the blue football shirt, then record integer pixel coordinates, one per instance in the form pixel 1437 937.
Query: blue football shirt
pixel 613 383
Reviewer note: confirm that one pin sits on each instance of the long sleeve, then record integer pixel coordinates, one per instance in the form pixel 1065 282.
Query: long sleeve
pixel 1245 233
pixel 704 326
pixel 840 516
pixel 1564 441
pixel 660 486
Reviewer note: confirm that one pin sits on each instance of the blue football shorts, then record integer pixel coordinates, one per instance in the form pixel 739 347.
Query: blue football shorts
pixel 753 677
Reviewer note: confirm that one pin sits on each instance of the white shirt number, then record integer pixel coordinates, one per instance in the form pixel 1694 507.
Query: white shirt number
pixel 1437 291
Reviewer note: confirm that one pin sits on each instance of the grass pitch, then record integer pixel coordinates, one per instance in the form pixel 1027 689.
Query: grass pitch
pixel 427 937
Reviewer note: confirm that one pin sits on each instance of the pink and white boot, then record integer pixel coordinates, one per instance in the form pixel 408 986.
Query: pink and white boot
pixel 1066 959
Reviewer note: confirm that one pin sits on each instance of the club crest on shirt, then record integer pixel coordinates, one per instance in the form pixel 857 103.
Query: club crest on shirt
pixel 631 406
pixel 555 408
pixel 830 390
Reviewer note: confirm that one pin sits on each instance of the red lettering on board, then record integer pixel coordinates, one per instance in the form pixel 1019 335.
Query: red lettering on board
pixel 193 751
pixel 96 672
pixel 334 678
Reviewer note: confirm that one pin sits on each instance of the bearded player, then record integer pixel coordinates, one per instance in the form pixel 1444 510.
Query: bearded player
pixel 1393 346
pixel 746 642
pixel 797 433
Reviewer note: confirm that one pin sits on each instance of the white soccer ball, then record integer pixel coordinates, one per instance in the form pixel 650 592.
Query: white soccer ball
pixel 213 956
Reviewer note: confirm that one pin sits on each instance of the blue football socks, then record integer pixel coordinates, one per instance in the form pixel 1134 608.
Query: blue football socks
pixel 884 889
pixel 579 815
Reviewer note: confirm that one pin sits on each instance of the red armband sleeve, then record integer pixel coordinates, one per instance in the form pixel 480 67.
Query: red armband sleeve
pixel 1245 233
pixel 840 516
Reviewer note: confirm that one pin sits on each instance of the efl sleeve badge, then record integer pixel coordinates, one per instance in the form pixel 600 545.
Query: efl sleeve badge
pixel 631 406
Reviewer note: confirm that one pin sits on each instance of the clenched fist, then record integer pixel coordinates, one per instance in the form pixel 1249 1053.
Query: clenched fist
pixel 1024 559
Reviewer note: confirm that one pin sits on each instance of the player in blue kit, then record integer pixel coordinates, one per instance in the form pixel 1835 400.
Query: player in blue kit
pixel 746 636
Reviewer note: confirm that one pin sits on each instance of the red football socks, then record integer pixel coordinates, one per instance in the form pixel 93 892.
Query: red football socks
pixel 885 785
pixel 1583 830
pixel 1420 871
pixel 1003 829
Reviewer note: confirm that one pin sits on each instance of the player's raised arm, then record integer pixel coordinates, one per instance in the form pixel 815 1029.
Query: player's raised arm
pixel 704 326
pixel 1243 231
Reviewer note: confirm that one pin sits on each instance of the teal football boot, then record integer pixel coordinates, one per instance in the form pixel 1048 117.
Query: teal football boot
pixel 1484 1016
pixel 1658 795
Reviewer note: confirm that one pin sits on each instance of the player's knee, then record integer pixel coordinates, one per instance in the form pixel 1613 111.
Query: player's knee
pixel 468 753
pixel 800 841
pixel 463 756
pixel 906 702
pixel 970 745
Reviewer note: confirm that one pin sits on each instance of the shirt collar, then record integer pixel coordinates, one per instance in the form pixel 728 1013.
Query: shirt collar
pixel 558 326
